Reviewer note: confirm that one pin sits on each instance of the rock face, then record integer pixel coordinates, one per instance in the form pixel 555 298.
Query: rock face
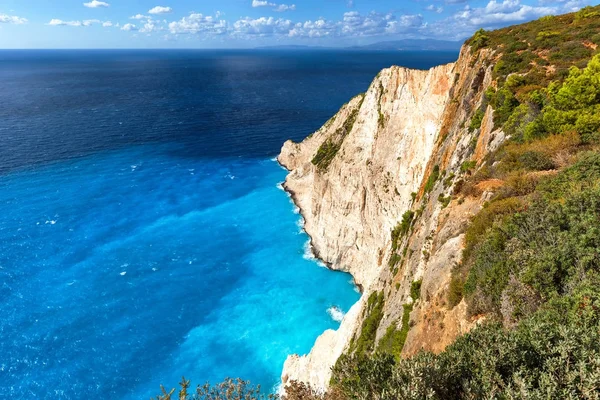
pixel 371 162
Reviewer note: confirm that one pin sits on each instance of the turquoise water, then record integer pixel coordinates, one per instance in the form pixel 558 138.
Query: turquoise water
pixel 175 266
pixel 143 235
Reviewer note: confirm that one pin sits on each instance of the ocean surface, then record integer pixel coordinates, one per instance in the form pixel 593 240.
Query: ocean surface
pixel 143 232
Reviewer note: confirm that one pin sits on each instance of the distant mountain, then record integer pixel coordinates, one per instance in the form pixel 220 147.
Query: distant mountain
pixel 412 44
pixel 395 45
pixel 292 47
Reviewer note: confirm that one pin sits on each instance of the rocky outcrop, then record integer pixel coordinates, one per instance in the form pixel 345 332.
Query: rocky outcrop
pixel 355 178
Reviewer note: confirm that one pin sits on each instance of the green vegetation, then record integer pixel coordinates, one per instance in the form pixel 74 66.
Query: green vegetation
pixel 532 258
pixel 381 118
pixel 552 355
pixel 435 175
pixel 229 389
pixel 476 120
pixel 330 147
pixel 468 166
pixel 374 312
pixel 415 289
pixel 531 261
pixel 479 40
pixel 402 228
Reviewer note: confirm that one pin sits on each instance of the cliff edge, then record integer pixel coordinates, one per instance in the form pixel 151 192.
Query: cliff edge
pixel 355 179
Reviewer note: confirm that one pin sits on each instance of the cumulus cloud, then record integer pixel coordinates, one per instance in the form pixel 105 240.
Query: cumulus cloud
pixel 107 24
pixel 160 10
pixel 433 8
pixel 374 24
pixel 129 28
pixel 198 23
pixel 96 4
pixel 493 15
pixel 353 24
pixel 11 19
pixel 60 22
pixel 139 16
pixel 275 6
pixel 262 26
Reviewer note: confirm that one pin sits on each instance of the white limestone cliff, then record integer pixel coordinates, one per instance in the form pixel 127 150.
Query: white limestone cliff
pixel 389 139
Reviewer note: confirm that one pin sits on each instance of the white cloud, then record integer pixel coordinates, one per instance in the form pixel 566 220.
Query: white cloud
pixel 493 15
pixel 262 26
pixel 129 27
pixel 198 23
pixel 107 24
pixel 160 10
pixel 433 8
pixel 96 4
pixel 139 16
pixel 276 7
pixel 60 22
pixel 314 29
pixel 374 24
pixel 353 24
pixel 11 19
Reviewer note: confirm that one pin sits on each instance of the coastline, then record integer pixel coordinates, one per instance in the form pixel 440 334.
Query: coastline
pixel 314 252
pixel 315 366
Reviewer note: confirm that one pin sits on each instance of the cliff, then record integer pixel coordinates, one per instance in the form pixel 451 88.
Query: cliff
pixel 398 147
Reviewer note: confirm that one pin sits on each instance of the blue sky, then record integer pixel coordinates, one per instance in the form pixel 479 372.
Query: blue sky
pixel 250 23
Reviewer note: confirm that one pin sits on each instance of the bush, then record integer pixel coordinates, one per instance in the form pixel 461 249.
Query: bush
pixel 374 312
pixel 435 175
pixel 402 228
pixel 476 120
pixel 551 354
pixel 479 40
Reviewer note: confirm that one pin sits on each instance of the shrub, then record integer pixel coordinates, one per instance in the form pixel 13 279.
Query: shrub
pixel 476 120
pixel 415 289
pixel 374 312
pixel 402 228
pixel 479 40
pixel 551 354
pixel 435 175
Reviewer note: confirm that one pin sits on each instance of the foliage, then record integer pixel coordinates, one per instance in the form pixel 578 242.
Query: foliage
pixel 402 228
pixel 415 289
pixel 552 354
pixel 435 175
pixel 468 166
pixel 374 312
pixel 330 147
pixel 393 340
pixel 476 120
pixel 479 40
pixel 542 250
pixel 229 389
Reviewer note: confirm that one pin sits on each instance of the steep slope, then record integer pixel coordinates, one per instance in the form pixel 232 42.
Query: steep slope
pixel 352 203
pixel 390 186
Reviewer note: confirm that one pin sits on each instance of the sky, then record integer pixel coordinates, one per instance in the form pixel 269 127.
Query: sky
pixel 252 23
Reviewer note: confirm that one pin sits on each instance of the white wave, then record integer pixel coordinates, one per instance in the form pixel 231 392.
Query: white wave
pixel 123 273
pixel 280 186
pixel 52 222
pixel 71 283
pixel 310 255
pixel 336 313
pixel 300 223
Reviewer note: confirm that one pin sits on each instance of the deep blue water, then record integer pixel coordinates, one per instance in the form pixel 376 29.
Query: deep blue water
pixel 142 232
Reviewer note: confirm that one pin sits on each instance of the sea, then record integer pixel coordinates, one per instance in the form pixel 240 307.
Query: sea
pixel 144 233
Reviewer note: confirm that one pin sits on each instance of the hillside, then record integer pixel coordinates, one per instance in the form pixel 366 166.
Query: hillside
pixel 480 210
pixel 465 201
